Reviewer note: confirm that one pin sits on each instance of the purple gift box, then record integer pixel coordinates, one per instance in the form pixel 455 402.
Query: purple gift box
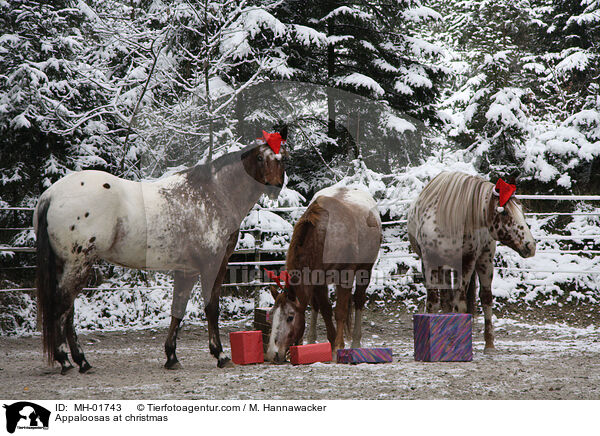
pixel 443 337
pixel 364 355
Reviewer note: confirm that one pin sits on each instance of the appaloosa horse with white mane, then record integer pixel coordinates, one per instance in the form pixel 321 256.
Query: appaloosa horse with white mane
pixel 453 227
pixel 336 241
pixel 187 223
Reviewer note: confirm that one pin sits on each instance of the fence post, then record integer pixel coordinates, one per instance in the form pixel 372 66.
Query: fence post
pixel 258 243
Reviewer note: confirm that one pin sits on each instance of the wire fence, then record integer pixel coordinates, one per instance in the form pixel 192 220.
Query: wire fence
pixel 259 250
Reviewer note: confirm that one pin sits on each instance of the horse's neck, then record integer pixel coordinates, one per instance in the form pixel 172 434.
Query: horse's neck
pixel 239 190
pixel 304 297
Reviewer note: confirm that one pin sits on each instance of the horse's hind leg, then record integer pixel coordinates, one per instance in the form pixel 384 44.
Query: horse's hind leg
pixel 61 352
pixel 76 350
pixel 471 291
pixel 343 294
pixel 182 287
pixel 485 272
pixel 312 328
pixel 363 278
pixel 72 280
pixel 432 304
pixel 447 297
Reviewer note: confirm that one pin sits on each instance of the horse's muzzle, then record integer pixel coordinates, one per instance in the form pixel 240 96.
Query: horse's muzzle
pixel 273 191
pixel 528 250
pixel 276 357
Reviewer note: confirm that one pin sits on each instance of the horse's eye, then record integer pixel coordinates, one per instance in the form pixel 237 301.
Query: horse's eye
pixel 260 158
pixel 290 318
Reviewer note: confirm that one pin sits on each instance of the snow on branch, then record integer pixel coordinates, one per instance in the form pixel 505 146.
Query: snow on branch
pixel 361 81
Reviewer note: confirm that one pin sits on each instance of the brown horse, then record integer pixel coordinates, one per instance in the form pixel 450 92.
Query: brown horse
pixel 187 223
pixel 453 227
pixel 336 241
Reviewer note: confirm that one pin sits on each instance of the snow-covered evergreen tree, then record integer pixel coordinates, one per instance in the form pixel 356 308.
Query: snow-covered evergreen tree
pixel 40 89
pixel 568 150
pixel 491 102
pixel 524 98
pixel 367 49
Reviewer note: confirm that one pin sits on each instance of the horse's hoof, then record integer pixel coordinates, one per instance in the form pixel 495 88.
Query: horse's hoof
pixel 66 369
pixel 225 362
pixel 85 368
pixel 174 365
pixel 490 351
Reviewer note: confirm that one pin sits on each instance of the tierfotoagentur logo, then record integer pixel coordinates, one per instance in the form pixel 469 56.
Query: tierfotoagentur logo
pixel 26 416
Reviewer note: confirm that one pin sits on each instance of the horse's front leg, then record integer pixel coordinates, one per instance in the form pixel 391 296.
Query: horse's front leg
pixel 212 308
pixel 183 285
pixel 363 278
pixel 320 294
pixel 485 272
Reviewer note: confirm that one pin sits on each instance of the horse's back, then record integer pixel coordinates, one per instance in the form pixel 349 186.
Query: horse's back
pixel 351 196
pixel 87 211
pixel 354 226
pixel 447 216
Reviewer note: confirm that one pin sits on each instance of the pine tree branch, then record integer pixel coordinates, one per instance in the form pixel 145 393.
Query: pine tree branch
pixel 137 105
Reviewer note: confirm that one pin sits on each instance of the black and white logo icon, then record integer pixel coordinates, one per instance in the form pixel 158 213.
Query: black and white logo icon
pixel 26 415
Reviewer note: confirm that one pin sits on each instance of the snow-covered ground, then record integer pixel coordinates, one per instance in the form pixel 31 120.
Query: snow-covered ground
pixel 533 361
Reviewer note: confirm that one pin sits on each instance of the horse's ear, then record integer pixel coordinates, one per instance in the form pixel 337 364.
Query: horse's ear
pixel 283 131
pixel 274 291
pixel 290 294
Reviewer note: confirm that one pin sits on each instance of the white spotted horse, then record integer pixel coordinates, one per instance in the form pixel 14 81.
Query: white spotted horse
pixel 336 241
pixel 187 223
pixel 453 227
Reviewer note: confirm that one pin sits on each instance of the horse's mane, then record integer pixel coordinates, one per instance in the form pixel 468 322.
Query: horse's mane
pixel 202 172
pixel 310 219
pixel 461 202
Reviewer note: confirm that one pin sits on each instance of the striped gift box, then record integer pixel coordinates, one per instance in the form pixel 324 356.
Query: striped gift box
pixel 364 355
pixel 443 337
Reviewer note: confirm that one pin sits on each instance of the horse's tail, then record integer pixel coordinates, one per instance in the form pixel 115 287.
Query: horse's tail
pixel 46 281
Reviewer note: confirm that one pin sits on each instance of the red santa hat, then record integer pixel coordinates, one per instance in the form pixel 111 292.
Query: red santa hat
pixel 504 191
pixel 273 140
pixel 282 277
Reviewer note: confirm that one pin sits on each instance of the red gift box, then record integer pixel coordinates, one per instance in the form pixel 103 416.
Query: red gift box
pixel 246 347
pixel 311 353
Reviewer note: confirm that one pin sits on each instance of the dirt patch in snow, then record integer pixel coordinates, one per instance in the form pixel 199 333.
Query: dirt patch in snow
pixel 536 359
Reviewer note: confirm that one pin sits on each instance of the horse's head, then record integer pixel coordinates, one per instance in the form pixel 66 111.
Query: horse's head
pixel 265 162
pixel 509 227
pixel 287 324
